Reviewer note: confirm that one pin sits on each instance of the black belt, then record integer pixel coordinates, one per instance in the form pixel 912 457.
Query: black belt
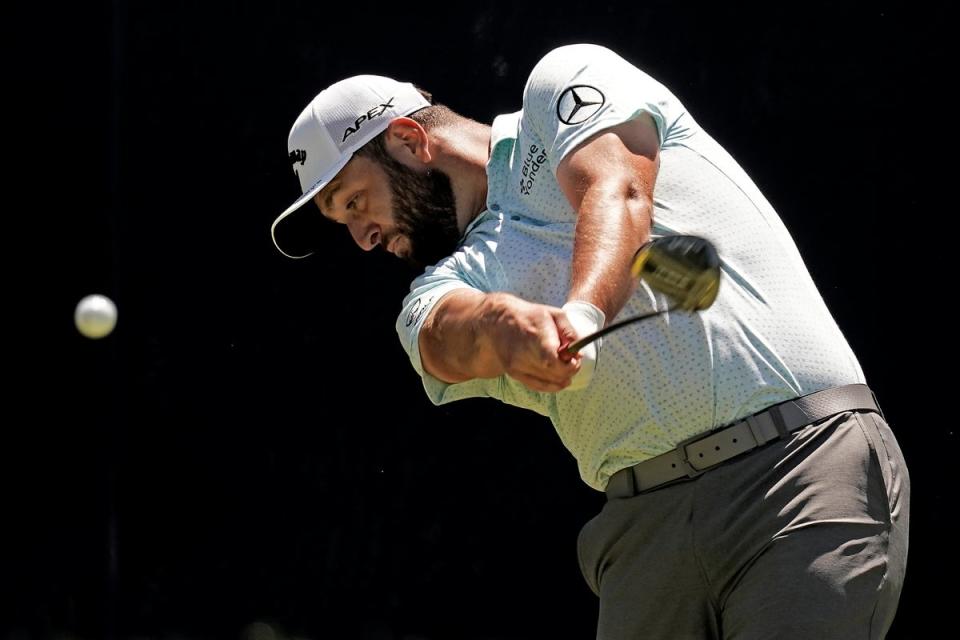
pixel 705 450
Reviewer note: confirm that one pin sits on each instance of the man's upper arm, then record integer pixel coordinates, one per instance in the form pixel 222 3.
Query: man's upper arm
pixel 426 293
pixel 626 156
pixel 438 349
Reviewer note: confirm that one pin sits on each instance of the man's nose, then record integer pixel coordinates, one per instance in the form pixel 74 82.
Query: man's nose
pixel 365 234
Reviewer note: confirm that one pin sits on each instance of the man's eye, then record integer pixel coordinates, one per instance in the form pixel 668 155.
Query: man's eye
pixel 352 204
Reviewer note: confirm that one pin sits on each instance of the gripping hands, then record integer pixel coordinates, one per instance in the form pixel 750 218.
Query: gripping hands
pixel 527 340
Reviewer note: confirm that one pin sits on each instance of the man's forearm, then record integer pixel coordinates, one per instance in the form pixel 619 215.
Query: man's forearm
pixel 454 345
pixel 612 224
pixel 485 335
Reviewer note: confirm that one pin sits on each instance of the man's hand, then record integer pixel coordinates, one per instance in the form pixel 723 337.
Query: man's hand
pixel 526 340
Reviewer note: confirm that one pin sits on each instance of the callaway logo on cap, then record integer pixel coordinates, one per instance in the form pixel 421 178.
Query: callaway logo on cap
pixel 340 120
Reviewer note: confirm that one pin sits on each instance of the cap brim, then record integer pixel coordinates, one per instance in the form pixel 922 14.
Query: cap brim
pixel 296 233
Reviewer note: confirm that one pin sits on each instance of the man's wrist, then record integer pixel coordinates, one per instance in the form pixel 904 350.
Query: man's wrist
pixel 585 317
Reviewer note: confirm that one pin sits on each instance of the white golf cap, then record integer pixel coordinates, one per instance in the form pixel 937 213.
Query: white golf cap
pixel 341 119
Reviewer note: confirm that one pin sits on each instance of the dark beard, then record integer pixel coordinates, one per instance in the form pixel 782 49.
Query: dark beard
pixel 425 211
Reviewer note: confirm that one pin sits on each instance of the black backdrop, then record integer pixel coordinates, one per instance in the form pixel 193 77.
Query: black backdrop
pixel 251 445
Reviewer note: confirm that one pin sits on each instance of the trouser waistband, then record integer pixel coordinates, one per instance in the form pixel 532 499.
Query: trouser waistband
pixel 705 450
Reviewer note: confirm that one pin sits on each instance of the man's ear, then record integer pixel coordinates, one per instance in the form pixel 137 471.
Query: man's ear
pixel 408 143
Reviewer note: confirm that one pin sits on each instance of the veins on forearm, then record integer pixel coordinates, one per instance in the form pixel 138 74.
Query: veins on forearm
pixel 611 226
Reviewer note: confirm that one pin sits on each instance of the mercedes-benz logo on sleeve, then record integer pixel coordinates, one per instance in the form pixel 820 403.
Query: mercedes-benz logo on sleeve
pixel 578 103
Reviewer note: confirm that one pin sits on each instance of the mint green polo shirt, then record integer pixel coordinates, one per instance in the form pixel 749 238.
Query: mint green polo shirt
pixel 768 337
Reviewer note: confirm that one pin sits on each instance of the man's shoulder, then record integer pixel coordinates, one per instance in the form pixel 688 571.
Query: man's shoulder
pixel 568 53
pixel 563 60
pixel 573 65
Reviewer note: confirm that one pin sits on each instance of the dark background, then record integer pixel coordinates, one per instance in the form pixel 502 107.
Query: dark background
pixel 251 444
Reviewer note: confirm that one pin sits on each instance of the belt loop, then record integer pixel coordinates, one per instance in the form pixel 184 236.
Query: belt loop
pixel 778 422
pixel 879 410
pixel 631 480
pixel 755 430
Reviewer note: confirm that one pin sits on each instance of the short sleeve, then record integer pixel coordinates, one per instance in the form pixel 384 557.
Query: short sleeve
pixel 579 90
pixel 425 292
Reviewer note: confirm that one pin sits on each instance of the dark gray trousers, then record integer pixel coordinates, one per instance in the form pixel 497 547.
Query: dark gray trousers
pixel 804 538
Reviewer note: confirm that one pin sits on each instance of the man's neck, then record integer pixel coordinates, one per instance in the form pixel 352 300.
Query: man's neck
pixel 461 151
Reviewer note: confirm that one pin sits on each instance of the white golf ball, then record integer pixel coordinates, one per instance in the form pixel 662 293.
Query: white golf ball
pixel 95 316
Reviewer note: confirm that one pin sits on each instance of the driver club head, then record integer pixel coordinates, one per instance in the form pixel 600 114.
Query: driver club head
pixel 685 268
